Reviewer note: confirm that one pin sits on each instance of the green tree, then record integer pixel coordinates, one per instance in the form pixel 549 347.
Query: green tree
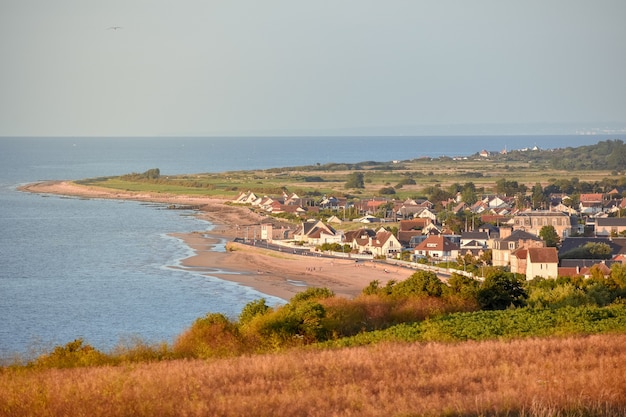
pixel 312 294
pixel 538 198
pixel 420 283
pixel 253 309
pixel 501 290
pixel 464 286
pixel 355 180
pixel 550 236
pixel 468 193
pixel 599 250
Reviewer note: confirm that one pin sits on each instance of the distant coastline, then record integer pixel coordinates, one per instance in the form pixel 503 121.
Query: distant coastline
pixel 279 275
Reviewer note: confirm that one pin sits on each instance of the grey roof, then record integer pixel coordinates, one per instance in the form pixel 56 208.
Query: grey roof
pixel 520 235
pixel 611 221
pixel 575 242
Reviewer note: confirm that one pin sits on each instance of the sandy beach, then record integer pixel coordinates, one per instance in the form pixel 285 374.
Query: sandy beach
pixel 279 274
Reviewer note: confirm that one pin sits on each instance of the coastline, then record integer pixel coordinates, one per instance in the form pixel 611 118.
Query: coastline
pixel 276 274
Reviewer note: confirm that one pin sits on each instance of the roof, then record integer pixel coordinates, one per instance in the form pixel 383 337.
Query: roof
pixel 475 235
pixel 566 271
pixel 520 235
pixel 591 197
pixel 611 221
pixel 543 255
pixel 541 213
pixel 437 243
pixel 413 224
pixel 572 243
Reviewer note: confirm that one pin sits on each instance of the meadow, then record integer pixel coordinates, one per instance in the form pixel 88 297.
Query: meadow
pixel 571 376
pixel 409 179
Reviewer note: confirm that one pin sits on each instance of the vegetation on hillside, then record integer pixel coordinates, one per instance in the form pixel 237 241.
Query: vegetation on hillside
pixel 420 308
pixel 539 171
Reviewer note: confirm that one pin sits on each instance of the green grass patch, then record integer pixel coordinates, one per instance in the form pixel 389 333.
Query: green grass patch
pixel 503 324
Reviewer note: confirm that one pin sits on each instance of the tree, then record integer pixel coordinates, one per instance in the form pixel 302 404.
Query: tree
pixel 550 236
pixel 464 286
pixel 468 193
pixel 253 309
pixel 420 283
pixel 538 197
pixel 355 180
pixel 501 290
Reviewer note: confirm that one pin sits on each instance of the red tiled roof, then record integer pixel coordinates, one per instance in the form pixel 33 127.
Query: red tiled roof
pixel 543 255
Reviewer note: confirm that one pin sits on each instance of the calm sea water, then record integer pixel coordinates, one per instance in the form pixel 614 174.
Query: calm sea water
pixel 100 269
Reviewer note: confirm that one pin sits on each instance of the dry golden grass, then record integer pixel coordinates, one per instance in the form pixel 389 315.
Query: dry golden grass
pixel 548 377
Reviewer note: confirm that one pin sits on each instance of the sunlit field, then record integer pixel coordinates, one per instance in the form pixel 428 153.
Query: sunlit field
pixel 579 376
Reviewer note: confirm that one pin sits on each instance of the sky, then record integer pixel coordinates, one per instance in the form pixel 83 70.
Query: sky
pixel 271 67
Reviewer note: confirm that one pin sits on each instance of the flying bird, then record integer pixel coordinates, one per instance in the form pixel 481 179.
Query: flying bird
pixel 114 27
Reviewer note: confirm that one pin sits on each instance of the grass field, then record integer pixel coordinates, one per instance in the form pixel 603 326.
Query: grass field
pixel 574 376
pixel 314 180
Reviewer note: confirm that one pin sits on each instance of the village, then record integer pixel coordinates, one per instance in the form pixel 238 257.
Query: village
pixel 583 240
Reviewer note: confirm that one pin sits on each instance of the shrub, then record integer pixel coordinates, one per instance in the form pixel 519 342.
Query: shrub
pixel 312 294
pixel 420 283
pixel 210 336
pixel 253 309
pixel 463 286
pixel 501 290
pixel 73 354
pixel 289 325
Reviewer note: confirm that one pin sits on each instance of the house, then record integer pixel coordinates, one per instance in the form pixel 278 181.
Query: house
pixel 334 219
pixel 410 228
pixel 384 244
pixel 377 243
pixel 610 226
pixel 591 203
pixel 245 198
pixel 518 260
pixel 367 219
pixel 437 246
pixel 474 243
pixel 510 241
pixel 370 206
pixel 542 262
pixel 595 270
pixel 269 232
pixel 533 221
pixel 425 213
pixel 408 211
pixel 481 238
pixel 315 232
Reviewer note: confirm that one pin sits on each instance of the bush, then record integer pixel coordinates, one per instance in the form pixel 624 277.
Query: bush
pixel 73 354
pixel 210 336
pixel 501 290
pixel 424 283
pixel 312 294
pixel 253 309
pixel 289 325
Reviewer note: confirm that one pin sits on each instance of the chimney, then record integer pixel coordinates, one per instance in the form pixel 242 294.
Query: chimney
pixel 505 232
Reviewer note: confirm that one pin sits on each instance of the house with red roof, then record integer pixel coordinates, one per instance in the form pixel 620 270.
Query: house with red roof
pixel 437 246
pixel 542 262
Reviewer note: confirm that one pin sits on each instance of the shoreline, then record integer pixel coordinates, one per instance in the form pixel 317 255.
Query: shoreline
pixel 276 274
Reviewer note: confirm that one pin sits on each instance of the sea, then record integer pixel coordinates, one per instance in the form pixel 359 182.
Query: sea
pixel 102 270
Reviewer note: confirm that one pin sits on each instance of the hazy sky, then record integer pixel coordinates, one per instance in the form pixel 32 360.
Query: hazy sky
pixel 189 67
